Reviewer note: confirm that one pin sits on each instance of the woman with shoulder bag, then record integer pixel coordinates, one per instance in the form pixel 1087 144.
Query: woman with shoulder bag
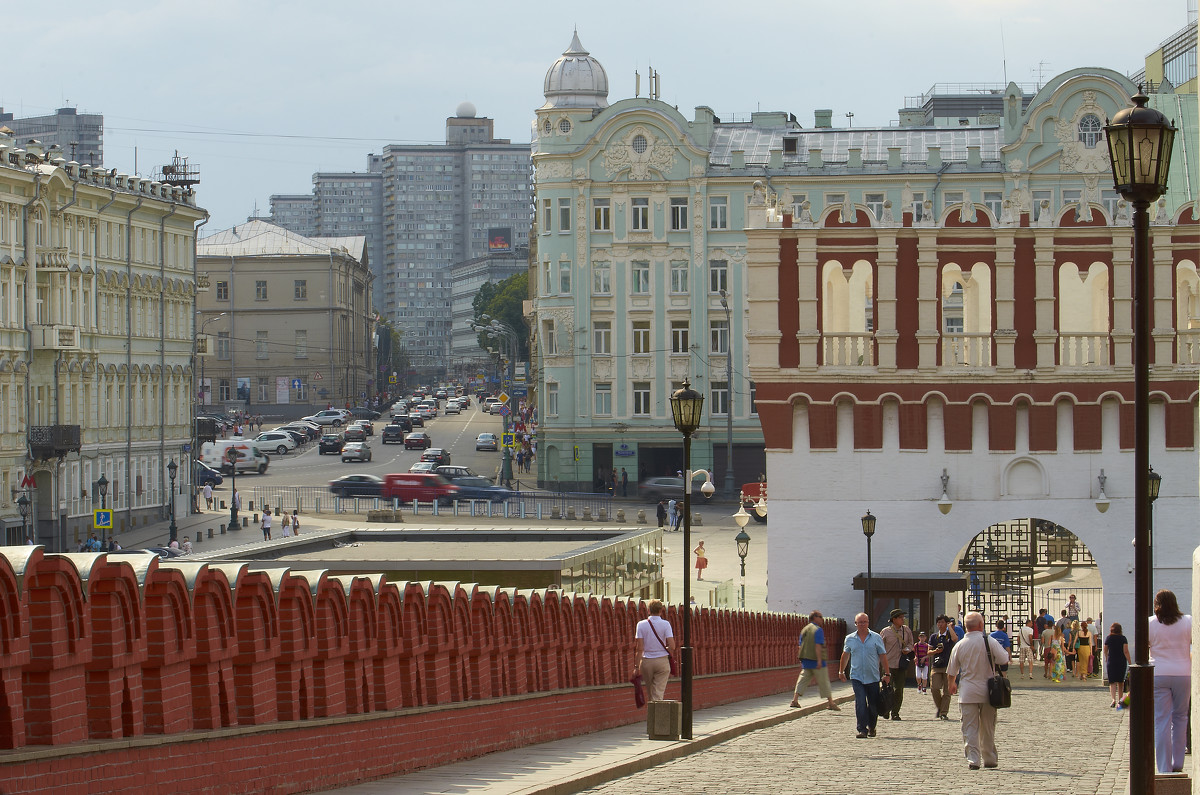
pixel 654 643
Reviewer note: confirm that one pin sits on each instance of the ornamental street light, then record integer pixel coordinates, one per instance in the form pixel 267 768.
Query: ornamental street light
pixel 102 487
pixel 233 454
pixel 23 505
pixel 868 526
pixel 743 549
pixel 172 471
pixel 1153 487
pixel 1139 148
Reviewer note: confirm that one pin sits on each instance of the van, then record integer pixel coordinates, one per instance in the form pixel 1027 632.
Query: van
pixel 250 458
pixel 421 486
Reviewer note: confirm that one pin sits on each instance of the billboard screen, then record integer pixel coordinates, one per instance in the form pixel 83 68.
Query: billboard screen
pixel 500 240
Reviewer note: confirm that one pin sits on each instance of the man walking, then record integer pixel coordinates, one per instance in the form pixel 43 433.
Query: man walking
pixel 1047 647
pixel 266 525
pixel 662 514
pixel 969 661
pixel 1001 636
pixel 208 498
pixel 624 483
pixel 940 646
pixel 898 640
pixel 1025 645
pixel 812 661
pixel 672 513
pixel 867 657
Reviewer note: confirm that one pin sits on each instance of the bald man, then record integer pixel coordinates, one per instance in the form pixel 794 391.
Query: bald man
pixel 970 664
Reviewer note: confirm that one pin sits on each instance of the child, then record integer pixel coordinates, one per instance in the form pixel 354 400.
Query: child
pixel 921 649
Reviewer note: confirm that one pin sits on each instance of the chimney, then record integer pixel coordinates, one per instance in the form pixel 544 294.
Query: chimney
pixel 912 117
pixel 824 118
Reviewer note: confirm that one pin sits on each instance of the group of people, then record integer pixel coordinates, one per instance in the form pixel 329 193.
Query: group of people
pixel 670 515
pixel 289 522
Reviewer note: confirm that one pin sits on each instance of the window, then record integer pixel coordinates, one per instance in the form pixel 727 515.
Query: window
pixel 679 212
pixel 222 291
pixel 679 336
pixel 641 336
pixel 789 144
pixel 603 400
pixel 602 278
pixel 954 325
pixel 720 399
pixel 224 393
pixel 639 273
pixel 1071 196
pixel 918 206
pixel 718 212
pixel 641 398
pixel 564 278
pixel 753 398
pixel 718 275
pixel 718 334
pixel 602 337
pixel 564 126
pixel 798 200
pixel 301 343
pixel 601 221
pixel 994 200
pixel 679 276
pixel 552 399
pixel 1040 196
pixel 834 199
pixel 260 345
pixel 951 198
pixel 641 214
pixel 549 341
pixel 564 216
pixel 263 395
pixel 639 144
pixel 547 281
pixel 260 291
pixel 874 202
pixel 224 345
pixel 1109 199
pixel 301 290
pixel 547 216
pixel 1090 131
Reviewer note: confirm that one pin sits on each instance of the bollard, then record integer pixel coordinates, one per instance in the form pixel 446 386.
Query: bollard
pixel 587 513
pixel 570 511
pixel 603 515
pixel 696 520
pixel 539 510
pixel 224 507
pixel 435 506
pixel 641 515
pixel 210 532
pixel 415 505
pixel 555 512
pixel 246 522
pixel 222 526
pixel 199 537
pixel 621 515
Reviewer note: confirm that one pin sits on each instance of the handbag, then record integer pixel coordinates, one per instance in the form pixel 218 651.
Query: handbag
pixel 998 687
pixel 670 659
pixel 639 691
pixel 887 697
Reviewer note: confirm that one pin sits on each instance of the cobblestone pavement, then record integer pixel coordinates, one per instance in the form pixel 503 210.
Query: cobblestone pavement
pixel 919 754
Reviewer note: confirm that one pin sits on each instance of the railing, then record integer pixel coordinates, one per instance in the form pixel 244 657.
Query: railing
pixel 522 504
pixel 967 350
pixel 849 349
pixel 1083 350
pixel 1189 346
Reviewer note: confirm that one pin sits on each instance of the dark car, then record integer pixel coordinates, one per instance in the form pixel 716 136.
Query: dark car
pixel 664 488
pixel 393 432
pixel 477 488
pixel 354 433
pixel 298 437
pixel 437 455
pixel 330 443
pixel 487 441
pixel 453 472
pixel 206 475
pixel 357 486
pixel 367 426
pixel 417 440
pixel 364 413
pixel 403 421
pixel 417 420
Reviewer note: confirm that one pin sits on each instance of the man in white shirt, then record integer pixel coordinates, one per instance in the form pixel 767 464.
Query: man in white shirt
pixel 208 496
pixel 1025 639
pixel 969 663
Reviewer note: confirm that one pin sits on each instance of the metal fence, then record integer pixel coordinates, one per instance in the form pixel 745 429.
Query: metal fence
pixel 522 505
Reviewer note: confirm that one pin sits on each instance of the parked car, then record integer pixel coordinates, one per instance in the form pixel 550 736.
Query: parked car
pixel 354 433
pixel 279 441
pixel 356 451
pixel 334 417
pixel 364 413
pixel 309 429
pixel 423 466
pixel 417 440
pixel 367 426
pixel 416 419
pixel 487 441
pixel 663 488
pixel 298 437
pixel 437 455
pixel 423 486
pixel 204 474
pixel 330 443
pixel 453 472
pixel 357 486
pixel 477 488
pixel 393 432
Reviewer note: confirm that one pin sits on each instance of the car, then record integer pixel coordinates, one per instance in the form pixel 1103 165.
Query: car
pixel 334 417
pixel 423 486
pixel 487 441
pixel 440 394
pixel 437 455
pixel 279 441
pixel 423 466
pixel 354 433
pixel 309 429
pixel 487 404
pixel 400 412
pixel 417 419
pixel 357 486
pixel 330 443
pixel 425 412
pixel 367 426
pixel 206 475
pixel 394 432
pixel 453 472
pixel 662 488
pixel 477 488
pixel 356 451
pixel 418 440
pixel 452 407
pixel 299 437
pixel 364 413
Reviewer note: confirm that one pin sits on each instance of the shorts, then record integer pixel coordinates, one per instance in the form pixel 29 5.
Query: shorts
pixel 922 671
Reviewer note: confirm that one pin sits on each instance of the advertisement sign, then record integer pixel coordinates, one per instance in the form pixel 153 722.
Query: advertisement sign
pixel 283 390
pixel 205 391
pixel 243 388
pixel 500 240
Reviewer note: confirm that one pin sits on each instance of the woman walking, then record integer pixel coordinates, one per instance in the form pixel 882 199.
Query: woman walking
pixel 1059 667
pixel 1116 663
pixel 1171 655
pixel 1083 652
pixel 701 561
pixel 654 642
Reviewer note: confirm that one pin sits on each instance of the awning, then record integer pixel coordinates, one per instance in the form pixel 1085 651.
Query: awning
pixel 912 581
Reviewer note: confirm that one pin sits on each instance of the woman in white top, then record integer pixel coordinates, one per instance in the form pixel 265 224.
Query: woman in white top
pixel 654 642
pixel 1171 655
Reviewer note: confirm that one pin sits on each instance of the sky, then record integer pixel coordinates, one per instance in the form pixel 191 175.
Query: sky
pixel 259 95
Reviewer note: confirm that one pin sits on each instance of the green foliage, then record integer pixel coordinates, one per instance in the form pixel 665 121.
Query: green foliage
pixel 504 302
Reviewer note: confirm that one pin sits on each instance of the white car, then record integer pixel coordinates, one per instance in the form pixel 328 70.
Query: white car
pixel 452 407
pixel 278 441
pixel 334 417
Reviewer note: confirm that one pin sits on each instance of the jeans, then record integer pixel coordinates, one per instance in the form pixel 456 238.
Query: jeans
pixel 866 704
pixel 1171 703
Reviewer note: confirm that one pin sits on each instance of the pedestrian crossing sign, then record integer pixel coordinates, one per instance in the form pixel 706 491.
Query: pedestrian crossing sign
pixel 508 439
pixel 102 518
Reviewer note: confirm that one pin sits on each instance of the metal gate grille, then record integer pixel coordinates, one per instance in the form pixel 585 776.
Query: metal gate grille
pixel 1000 564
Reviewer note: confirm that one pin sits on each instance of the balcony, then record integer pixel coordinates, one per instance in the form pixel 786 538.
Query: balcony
pixel 55 338
pixel 850 349
pixel 54 441
pixel 967 350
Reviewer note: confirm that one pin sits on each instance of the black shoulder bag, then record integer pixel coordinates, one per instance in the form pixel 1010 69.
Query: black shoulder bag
pixel 998 686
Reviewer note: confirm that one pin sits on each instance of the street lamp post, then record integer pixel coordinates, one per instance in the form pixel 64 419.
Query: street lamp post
pixel 23 505
pixel 1139 147
pixel 233 454
pixel 102 487
pixel 868 526
pixel 172 470
pixel 729 396
pixel 743 549
pixel 1154 485
pixel 686 407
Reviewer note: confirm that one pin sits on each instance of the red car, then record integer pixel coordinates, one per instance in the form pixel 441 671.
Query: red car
pixel 417 440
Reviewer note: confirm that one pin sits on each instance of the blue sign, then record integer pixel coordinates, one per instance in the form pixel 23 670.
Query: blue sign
pixel 187 448
pixel 520 391
pixel 624 450
pixel 102 518
pixel 505 410
pixel 296 383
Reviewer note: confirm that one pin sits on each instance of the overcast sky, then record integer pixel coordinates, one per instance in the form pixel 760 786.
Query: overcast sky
pixel 261 94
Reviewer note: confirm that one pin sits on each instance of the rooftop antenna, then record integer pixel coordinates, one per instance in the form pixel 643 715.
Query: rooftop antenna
pixel 850 117
pixel 1003 54
pixel 637 83
pixel 1041 73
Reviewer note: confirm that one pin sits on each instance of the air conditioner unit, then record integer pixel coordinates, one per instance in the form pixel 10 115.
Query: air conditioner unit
pixel 55 338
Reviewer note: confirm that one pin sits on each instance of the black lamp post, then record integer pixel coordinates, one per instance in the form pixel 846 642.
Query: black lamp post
pixel 233 454
pixel 868 526
pixel 686 407
pixel 1139 146
pixel 102 487
pixel 743 549
pixel 1154 484
pixel 23 505
pixel 172 470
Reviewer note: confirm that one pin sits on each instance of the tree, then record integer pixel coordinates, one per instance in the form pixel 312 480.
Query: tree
pixel 504 301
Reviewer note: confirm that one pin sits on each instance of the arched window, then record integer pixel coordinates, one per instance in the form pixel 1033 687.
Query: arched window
pixel 1090 130
pixel 1083 315
pixel 967 315
pixel 847 312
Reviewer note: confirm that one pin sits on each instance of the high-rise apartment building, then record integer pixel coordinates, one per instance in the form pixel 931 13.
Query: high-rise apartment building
pixel 79 135
pixel 295 212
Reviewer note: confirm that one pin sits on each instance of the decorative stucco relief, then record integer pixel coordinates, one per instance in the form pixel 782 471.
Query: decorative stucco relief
pixel 656 155
pixel 1076 156
pixel 553 169
pixel 641 368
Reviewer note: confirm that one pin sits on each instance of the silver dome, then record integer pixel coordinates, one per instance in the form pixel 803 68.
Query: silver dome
pixel 576 80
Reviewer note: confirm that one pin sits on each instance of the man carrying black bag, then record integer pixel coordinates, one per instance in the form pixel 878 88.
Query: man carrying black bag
pixel 970 662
